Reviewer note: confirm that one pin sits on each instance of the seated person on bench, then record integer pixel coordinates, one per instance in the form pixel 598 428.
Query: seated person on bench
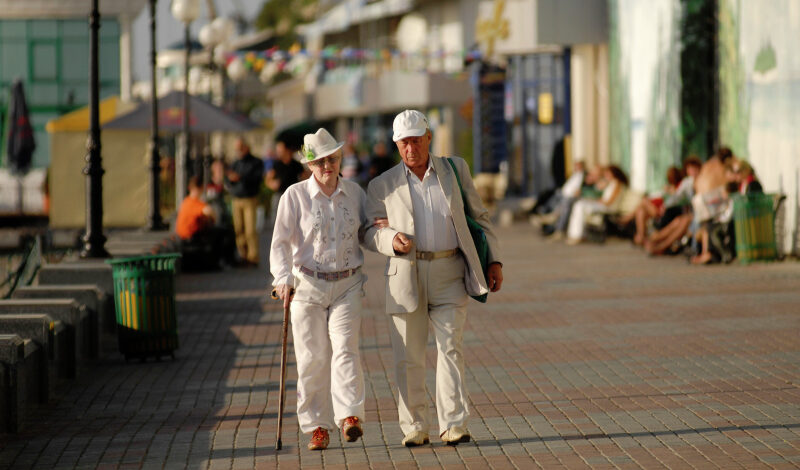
pixel 195 226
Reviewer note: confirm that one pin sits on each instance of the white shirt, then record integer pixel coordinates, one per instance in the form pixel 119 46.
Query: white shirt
pixel 681 195
pixel 433 222
pixel 317 231
pixel 608 192
pixel 572 187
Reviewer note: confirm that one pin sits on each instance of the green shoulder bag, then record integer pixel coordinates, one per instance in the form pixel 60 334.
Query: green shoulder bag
pixel 477 233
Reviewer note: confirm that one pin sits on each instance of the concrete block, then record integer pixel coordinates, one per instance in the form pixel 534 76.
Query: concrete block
pixel 48 334
pixel 88 295
pixel 65 238
pixel 19 380
pixel 10 239
pixel 74 316
pixel 95 272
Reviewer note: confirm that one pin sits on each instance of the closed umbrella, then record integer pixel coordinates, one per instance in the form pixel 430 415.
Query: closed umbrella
pixel 20 143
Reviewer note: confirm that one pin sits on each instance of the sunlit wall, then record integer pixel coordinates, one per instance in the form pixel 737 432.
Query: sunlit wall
pixel 760 96
pixel 758 77
pixel 644 89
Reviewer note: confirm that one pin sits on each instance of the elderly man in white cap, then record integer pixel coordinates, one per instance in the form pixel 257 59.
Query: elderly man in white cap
pixel 315 259
pixel 432 269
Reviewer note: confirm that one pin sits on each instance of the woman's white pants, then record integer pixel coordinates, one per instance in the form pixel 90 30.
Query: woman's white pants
pixel 326 320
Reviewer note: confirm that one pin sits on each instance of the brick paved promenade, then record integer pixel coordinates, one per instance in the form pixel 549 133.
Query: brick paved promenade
pixel 591 357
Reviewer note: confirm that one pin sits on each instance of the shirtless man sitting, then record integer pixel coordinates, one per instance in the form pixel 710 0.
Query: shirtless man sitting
pixel 709 195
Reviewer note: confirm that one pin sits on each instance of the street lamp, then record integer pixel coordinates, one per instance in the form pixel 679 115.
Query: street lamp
pixel 94 240
pixel 215 36
pixel 154 221
pixel 184 11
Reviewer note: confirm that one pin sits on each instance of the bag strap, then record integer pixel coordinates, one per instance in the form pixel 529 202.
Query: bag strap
pixel 458 179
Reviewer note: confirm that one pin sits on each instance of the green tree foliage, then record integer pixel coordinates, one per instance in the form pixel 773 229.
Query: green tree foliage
pixel 283 16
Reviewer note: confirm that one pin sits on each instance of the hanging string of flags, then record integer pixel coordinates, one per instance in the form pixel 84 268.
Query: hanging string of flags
pixel 297 61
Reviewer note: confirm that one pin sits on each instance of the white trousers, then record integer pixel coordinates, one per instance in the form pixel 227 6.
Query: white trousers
pixel 326 320
pixel 442 306
pixel 581 211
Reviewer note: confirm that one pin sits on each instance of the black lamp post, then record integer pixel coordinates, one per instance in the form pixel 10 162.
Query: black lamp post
pixel 184 11
pixel 154 221
pixel 94 240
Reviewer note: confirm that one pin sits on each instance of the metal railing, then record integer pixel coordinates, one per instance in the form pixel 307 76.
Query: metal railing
pixel 20 267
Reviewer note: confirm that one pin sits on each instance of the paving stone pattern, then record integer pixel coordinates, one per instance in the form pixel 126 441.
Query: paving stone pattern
pixel 592 356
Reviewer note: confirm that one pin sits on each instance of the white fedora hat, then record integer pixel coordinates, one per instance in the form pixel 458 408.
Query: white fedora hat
pixel 319 145
pixel 409 123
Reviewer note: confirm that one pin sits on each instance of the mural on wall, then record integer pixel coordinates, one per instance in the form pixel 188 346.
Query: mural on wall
pixel 734 112
pixel 644 71
pixel 759 95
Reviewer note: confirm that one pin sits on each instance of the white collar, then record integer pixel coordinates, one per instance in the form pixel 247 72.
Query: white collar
pixel 314 188
pixel 430 166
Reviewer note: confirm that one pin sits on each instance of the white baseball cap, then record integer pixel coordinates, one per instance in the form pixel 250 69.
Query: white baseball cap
pixel 409 123
pixel 319 145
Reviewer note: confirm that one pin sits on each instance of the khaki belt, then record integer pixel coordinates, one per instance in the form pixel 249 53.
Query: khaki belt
pixel 431 255
pixel 335 276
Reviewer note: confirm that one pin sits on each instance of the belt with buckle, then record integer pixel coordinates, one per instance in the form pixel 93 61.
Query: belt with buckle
pixel 335 276
pixel 431 255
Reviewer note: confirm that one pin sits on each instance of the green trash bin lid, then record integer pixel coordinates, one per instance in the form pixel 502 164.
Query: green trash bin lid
pixel 133 259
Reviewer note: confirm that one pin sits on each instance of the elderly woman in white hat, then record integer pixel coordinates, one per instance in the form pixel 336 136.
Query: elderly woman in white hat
pixel 315 259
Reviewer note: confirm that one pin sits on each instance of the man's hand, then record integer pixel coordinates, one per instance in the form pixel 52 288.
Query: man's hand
pixel 401 243
pixel 381 222
pixel 233 176
pixel 494 276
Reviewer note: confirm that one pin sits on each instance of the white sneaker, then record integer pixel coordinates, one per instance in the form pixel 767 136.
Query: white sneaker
pixel 455 435
pixel 555 236
pixel 416 438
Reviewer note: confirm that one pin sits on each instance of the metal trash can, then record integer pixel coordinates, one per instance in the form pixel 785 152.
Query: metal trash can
pixel 144 295
pixel 754 226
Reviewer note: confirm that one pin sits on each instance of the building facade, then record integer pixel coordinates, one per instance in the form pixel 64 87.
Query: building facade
pixel 378 58
pixel 46 45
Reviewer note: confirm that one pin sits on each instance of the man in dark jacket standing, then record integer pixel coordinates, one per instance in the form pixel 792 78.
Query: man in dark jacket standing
pixel 244 180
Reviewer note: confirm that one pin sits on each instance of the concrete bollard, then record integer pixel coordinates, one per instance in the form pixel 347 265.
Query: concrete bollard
pixel 19 380
pixel 88 295
pixel 72 315
pixel 93 272
pixel 78 272
pixel 48 335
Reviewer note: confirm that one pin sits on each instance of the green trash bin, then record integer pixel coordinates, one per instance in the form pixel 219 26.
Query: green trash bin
pixel 144 295
pixel 754 226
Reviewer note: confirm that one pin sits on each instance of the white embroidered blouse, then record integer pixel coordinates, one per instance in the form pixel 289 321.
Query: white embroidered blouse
pixel 317 231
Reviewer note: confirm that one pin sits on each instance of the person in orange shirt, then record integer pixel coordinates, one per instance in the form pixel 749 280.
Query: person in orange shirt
pixel 204 245
pixel 194 214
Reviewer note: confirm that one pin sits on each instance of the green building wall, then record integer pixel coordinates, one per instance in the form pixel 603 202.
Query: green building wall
pixel 51 57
